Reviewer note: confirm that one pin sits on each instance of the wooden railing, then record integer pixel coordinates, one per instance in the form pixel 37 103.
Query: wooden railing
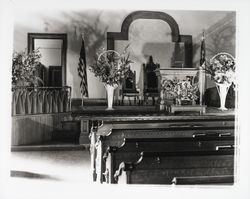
pixel 40 100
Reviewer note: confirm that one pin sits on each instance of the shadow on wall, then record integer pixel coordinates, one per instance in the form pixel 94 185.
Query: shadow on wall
pixel 86 25
pixel 218 38
pixel 94 31
pixel 161 52
pixel 221 41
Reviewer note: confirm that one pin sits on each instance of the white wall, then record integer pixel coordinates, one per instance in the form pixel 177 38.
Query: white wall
pixel 145 37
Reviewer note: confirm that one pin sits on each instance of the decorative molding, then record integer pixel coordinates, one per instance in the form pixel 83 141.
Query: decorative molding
pixel 175 32
pixel 63 37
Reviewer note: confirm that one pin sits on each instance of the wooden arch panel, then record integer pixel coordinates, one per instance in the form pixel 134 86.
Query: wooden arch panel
pixel 175 33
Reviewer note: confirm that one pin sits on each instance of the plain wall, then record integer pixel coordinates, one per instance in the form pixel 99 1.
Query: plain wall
pixel 146 37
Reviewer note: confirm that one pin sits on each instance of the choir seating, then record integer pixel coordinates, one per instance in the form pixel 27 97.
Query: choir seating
pixel 125 140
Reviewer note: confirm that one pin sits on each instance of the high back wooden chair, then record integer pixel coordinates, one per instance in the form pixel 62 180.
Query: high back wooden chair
pixel 129 87
pixel 151 81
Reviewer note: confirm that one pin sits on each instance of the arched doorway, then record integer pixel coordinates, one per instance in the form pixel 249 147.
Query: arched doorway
pixel 175 33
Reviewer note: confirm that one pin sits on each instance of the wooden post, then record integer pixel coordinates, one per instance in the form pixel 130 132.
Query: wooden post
pixel 160 89
pixel 84 134
pixel 93 154
pixel 201 84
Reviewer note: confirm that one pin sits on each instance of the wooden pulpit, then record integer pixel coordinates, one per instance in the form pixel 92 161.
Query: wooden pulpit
pixel 177 75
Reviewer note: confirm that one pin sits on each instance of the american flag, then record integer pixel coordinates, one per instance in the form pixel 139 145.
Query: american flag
pixel 82 71
pixel 203 51
pixel 202 78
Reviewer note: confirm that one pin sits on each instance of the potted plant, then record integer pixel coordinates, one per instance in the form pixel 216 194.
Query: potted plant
pixel 24 67
pixel 222 71
pixel 109 67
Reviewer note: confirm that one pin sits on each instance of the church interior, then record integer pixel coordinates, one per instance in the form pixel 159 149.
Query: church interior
pixel 159 117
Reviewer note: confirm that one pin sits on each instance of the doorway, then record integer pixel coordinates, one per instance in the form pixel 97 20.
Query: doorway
pixel 53 47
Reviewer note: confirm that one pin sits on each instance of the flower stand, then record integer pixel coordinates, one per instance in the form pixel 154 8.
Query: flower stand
pixel 223 90
pixel 110 95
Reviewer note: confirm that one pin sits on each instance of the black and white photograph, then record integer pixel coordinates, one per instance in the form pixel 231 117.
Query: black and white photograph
pixel 124 99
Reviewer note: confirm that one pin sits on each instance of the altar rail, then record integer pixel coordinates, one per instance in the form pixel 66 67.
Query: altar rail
pixel 40 100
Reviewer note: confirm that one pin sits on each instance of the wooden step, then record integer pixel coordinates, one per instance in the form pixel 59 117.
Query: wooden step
pixel 223 180
pixel 66 136
pixel 50 147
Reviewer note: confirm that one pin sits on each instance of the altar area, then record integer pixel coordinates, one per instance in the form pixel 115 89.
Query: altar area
pixel 154 106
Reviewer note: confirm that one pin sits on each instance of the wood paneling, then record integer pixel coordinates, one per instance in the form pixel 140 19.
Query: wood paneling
pixel 32 129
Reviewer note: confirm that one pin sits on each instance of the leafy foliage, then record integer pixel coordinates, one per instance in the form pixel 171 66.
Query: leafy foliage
pixel 110 66
pixel 186 91
pixel 222 68
pixel 181 89
pixel 24 67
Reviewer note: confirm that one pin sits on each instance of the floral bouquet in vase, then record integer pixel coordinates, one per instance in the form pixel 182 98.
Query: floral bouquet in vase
pixel 222 72
pixel 110 67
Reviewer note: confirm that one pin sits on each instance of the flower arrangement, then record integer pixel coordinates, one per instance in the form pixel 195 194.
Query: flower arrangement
pixel 222 68
pixel 180 90
pixel 110 66
pixel 24 67
pixel 185 91
pixel 168 86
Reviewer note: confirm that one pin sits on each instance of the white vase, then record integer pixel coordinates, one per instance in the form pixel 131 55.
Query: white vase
pixel 223 90
pixel 110 95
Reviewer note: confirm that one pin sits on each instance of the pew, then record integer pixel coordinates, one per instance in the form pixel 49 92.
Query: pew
pixel 131 148
pixel 164 167
pixel 116 138
pixel 218 180
pixel 110 132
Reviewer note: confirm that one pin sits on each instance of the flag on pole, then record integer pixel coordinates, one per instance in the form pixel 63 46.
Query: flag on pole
pixel 82 71
pixel 203 51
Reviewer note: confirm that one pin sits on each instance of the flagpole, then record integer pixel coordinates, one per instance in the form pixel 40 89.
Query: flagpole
pixel 82 71
pixel 82 37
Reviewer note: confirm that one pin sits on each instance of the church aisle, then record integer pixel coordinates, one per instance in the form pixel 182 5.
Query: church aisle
pixel 66 166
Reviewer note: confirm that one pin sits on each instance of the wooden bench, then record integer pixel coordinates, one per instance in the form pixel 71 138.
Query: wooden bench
pixel 163 167
pixel 130 150
pixel 218 180
pixel 116 137
pixel 112 133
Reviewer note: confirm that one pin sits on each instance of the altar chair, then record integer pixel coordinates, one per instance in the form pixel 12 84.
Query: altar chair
pixel 151 81
pixel 129 87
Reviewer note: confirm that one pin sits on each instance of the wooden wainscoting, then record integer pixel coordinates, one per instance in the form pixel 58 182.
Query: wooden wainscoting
pixel 32 129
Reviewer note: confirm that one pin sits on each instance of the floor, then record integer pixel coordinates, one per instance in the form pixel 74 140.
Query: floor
pixel 66 175
pixel 48 174
pixel 67 166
